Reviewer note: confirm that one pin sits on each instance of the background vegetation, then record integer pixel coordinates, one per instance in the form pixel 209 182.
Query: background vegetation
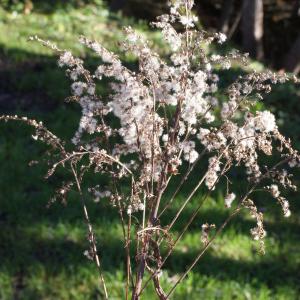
pixel 41 249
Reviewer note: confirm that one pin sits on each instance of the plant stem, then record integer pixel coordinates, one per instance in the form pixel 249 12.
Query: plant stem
pixel 90 231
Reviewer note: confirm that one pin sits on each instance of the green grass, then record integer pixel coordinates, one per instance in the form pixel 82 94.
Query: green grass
pixel 41 249
pixel 30 68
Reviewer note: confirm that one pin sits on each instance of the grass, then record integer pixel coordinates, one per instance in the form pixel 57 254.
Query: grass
pixel 41 248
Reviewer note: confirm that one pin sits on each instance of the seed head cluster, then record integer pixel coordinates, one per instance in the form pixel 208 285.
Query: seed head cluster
pixel 163 118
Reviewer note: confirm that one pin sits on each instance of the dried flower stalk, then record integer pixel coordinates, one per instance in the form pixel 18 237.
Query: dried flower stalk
pixel 170 119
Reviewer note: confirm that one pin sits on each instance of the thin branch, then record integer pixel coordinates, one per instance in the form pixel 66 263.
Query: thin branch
pixel 183 231
pixel 184 178
pixel 90 230
pixel 202 252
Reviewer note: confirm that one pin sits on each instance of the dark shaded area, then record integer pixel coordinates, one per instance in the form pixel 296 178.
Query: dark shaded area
pixel 22 248
pixel 281 21
pixel 34 83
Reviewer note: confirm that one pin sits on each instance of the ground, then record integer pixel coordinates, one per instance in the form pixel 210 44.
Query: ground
pixel 42 248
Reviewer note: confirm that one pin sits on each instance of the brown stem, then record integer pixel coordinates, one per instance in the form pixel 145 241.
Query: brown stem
pixel 91 231
pixel 141 270
pixel 128 262
pixel 195 190
pixel 184 178
pixel 184 229
pixel 202 252
pixel 156 253
pixel 158 289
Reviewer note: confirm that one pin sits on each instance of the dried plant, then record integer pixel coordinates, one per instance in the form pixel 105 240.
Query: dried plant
pixel 158 124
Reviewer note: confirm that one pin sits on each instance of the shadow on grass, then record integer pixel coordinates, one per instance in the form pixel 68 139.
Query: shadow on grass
pixel 22 252
pixel 31 235
pixel 218 216
pixel 22 244
pixel 265 271
pixel 35 83
pixel 24 197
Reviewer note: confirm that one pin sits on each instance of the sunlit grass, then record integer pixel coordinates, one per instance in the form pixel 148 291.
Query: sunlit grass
pixel 41 249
